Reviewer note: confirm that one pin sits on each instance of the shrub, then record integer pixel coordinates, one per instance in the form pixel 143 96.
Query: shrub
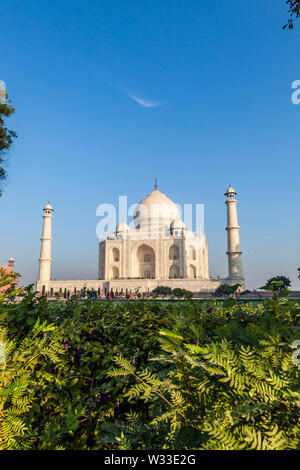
pixel 225 290
pixel 162 290
pixel 277 283
pixel 182 293
pixel 150 375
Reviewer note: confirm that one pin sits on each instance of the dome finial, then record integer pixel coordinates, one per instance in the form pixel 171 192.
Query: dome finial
pixel 48 207
pixel 231 193
pixel 155 184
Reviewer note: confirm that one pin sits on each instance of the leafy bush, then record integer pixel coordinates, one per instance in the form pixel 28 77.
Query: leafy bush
pixel 167 291
pixel 277 283
pixel 182 293
pixel 225 290
pixel 162 290
pixel 6 135
pixel 148 374
pixel 219 397
pixel 22 374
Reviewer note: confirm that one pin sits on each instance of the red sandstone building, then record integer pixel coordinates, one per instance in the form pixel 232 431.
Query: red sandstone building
pixel 8 269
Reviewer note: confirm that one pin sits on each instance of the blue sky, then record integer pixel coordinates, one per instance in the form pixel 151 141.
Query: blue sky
pixel 221 74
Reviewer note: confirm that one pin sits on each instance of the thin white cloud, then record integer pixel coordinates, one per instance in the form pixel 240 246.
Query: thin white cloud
pixel 146 103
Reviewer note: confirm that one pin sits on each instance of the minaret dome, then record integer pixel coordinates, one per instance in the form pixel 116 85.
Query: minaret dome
pixel 230 192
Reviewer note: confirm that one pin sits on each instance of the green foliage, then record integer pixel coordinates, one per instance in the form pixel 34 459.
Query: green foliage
pixel 6 135
pixel 162 290
pixel 221 396
pixel 168 292
pixel 21 374
pixel 225 290
pixel 182 293
pixel 294 9
pixel 277 283
pixel 148 374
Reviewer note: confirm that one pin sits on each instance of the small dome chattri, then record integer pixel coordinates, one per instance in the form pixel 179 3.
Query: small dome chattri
pixel 189 234
pixel 155 208
pixel 230 192
pixel 177 224
pixel 48 207
pixel 122 227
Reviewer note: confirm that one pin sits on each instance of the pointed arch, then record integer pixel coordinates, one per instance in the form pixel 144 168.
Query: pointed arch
pixel 115 254
pixel 115 272
pixel 192 272
pixel 145 258
pixel 191 252
pixel 174 271
pixel 173 252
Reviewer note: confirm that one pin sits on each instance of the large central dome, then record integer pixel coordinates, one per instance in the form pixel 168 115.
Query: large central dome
pixel 155 210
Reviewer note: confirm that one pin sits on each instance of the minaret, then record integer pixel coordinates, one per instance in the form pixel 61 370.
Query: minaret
pixel 11 263
pixel 235 268
pixel 45 257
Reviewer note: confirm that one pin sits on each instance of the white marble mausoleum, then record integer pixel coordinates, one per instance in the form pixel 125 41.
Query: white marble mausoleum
pixel 157 250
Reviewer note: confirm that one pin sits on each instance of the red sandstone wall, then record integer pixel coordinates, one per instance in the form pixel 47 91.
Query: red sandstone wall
pixel 8 269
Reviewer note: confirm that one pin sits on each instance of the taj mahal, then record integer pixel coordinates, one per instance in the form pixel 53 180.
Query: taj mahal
pixel 158 250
